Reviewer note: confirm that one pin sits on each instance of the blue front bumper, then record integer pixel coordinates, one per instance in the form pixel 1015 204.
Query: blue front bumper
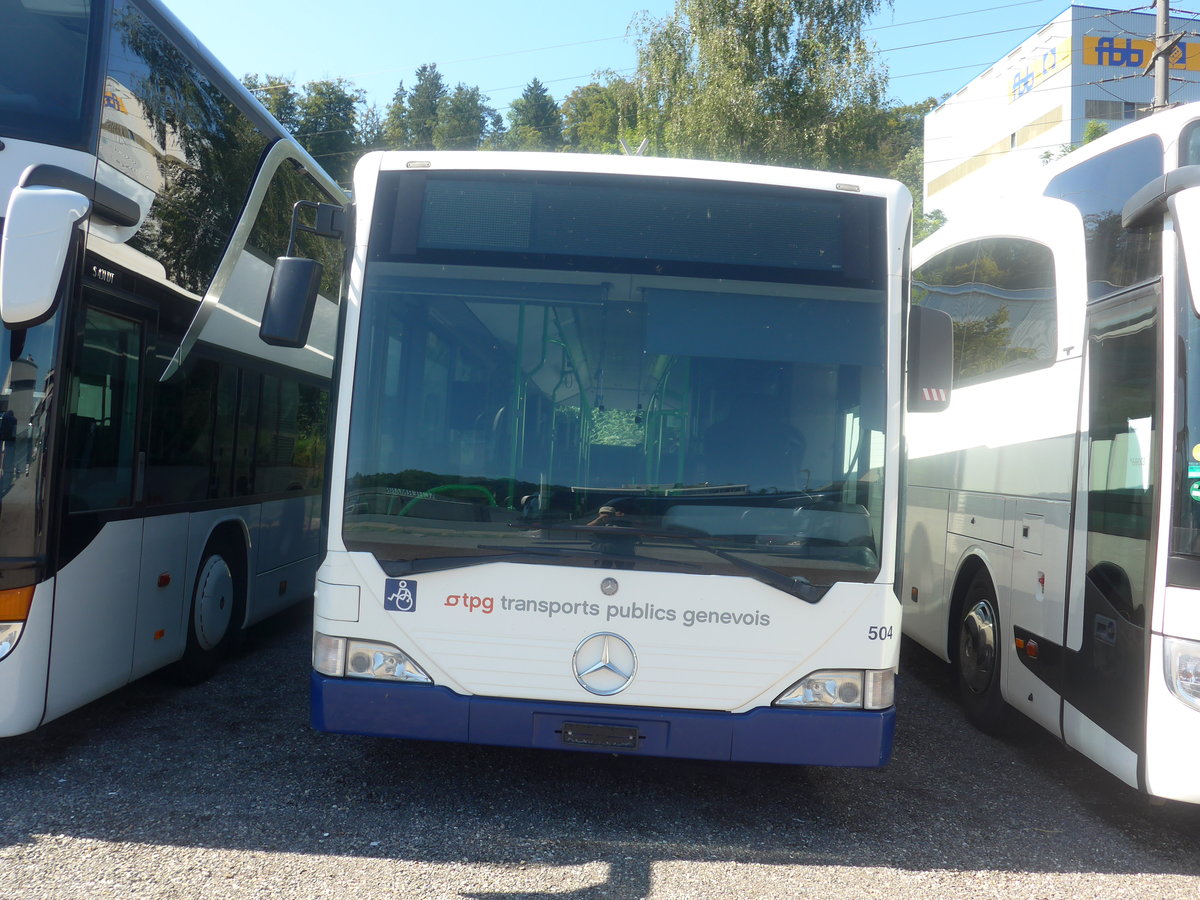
pixel 770 735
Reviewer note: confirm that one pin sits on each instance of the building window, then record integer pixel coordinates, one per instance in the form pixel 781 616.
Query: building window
pixel 1109 110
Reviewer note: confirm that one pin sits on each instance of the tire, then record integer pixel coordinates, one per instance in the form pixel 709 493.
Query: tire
pixel 979 656
pixel 212 617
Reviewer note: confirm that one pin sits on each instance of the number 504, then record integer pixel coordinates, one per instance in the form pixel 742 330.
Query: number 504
pixel 880 633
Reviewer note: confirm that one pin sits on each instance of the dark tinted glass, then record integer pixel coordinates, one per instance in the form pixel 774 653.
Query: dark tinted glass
pixel 181 439
pixel 167 126
pixel 1185 533
pixel 29 360
pixel 1116 257
pixel 688 227
pixel 1000 293
pixel 272 227
pixel 291 436
pixel 102 409
pixel 1189 145
pixel 49 58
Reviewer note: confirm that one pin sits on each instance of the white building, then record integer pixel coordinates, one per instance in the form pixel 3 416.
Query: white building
pixel 1087 64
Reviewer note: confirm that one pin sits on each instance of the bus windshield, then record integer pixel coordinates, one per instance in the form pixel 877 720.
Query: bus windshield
pixel 49 53
pixel 28 357
pixel 543 391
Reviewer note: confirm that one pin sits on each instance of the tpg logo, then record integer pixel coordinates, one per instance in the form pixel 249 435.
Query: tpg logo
pixel 400 595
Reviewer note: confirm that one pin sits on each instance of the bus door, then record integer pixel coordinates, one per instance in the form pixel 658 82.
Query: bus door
pixel 1105 678
pixel 99 586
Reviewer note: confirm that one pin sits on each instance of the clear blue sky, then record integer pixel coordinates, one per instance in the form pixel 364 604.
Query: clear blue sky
pixel 931 47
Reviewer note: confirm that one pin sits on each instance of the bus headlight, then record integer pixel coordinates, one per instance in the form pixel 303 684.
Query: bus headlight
pixel 9 632
pixel 842 689
pixel 345 658
pixel 15 604
pixel 1181 660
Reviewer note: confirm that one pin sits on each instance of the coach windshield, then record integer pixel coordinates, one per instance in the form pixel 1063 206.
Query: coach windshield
pixel 28 359
pixel 587 370
pixel 49 60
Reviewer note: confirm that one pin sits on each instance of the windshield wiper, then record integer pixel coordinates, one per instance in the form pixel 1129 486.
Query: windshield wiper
pixel 796 585
pixel 599 555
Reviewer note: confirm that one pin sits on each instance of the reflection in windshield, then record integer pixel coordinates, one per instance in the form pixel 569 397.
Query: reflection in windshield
pixel 492 409
pixel 27 357
pixel 48 53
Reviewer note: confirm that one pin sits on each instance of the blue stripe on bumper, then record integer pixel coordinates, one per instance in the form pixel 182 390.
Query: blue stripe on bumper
pixel 425 712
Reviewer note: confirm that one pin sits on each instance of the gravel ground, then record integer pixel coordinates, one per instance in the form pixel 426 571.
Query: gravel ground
pixel 223 791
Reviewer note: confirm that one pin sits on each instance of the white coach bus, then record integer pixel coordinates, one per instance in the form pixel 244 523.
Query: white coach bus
pixel 1052 539
pixel 160 467
pixel 616 457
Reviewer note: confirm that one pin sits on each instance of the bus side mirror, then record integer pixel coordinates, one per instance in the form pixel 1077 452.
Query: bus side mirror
pixel 930 359
pixel 291 299
pixel 38 227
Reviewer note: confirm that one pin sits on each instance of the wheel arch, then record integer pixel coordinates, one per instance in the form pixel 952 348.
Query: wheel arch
pixel 972 563
pixel 230 537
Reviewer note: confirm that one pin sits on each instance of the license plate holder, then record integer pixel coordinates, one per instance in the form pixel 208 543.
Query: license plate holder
pixel 591 734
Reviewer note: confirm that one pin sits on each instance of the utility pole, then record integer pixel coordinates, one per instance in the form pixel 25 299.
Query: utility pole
pixel 1162 52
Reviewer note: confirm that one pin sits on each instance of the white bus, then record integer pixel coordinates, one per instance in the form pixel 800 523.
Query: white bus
pixel 160 467
pixel 615 463
pixel 1052 544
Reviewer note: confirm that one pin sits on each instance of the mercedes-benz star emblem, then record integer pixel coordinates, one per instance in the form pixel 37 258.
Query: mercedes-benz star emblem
pixel 604 663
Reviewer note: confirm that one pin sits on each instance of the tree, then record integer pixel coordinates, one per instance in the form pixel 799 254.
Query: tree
pixel 596 116
pixel 421 112
pixel 278 95
pixel 372 131
pixel 911 173
pixel 534 120
pixel 983 345
pixel 464 120
pixel 328 125
pixel 898 130
pixel 395 120
pixel 1092 129
pixel 790 82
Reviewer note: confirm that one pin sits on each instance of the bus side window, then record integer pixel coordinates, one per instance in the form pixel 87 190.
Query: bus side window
pixel 1000 292
pixel 102 415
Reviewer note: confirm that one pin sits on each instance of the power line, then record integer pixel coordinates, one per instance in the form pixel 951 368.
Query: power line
pixel 969 12
pixel 560 46
pixel 968 37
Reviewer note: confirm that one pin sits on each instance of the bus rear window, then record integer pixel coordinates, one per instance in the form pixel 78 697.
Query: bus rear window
pixel 48 63
pixel 622 224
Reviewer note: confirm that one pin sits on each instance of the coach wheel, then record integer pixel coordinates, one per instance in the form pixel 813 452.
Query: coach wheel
pixel 979 656
pixel 211 617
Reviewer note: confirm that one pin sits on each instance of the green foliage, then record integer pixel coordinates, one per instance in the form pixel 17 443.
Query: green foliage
pixel 900 130
pixel 1094 128
pixel 534 120
pixel 618 428
pixel 278 95
pixel 464 120
pixel 421 110
pixel 982 345
pixel 372 130
pixel 926 224
pixel 596 116
pixel 788 82
pixel 395 120
pixel 910 171
pixel 206 175
pixel 328 125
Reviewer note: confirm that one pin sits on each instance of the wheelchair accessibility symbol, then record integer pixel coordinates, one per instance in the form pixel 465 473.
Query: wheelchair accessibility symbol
pixel 400 595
